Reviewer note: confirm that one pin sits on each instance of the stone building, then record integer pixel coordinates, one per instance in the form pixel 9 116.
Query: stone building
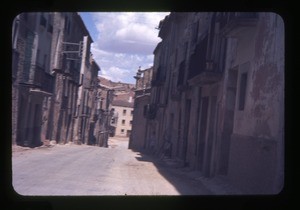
pixel 32 82
pixel 55 79
pixel 92 111
pixel 70 60
pixel 141 101
pixel 104 126
pixel 217 96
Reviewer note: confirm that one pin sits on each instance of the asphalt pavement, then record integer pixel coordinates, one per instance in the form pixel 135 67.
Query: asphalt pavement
pixel 90 170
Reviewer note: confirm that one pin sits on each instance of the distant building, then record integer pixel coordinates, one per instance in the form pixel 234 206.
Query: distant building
pixel 119 105
pixel 217 97
pixel 141 104
pixel 104 126
pixel 124 111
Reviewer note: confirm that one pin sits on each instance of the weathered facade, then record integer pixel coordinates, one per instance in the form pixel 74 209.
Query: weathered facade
pixel 32 82
pixel 70 59
pixel 55 80
pixel 217 96
pixel 104 127
pixel 119 102
pixel 141 101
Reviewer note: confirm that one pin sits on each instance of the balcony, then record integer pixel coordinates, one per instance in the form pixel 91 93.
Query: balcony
pixel 232 21
pixel 205 78
pixel 202 71
pixel 43 80
pixel 208 75
pixel 39 80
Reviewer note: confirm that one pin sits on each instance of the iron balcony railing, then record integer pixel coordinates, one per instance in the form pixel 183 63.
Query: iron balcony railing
pixel 43 79
pixel 38 78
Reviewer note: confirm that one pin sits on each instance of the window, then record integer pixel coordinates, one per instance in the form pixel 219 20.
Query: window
pixel 15 33
pixel 38 56
pixel 122 130
pixel 43 20
pixel 242 96
pixel 50 28
pixel 131 112
pixel 124 111
pixel 176 54
pixel 113 120
pixel 101 103
pixel 195 28
pixel 130 122
pixel 45 61
pixel 123 122
pixel 185 50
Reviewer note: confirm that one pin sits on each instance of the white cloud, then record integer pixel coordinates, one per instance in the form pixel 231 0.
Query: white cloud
pixel 125 41
pixel 115 74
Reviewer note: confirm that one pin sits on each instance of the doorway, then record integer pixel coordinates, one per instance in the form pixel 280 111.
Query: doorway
pixel 202 125
pixel 37 125
pixel 209 152
pixel 186 130
pixel 228 120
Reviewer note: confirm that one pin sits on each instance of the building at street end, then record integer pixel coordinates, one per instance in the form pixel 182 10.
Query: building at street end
pixel 217 97
pixel 124 112
pixel 142 91
pixel 120 106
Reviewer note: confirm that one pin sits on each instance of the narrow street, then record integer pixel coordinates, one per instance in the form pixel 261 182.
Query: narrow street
pixel 91 170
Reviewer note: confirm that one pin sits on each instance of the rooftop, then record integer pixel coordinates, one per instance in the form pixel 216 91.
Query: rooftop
pixel 122 103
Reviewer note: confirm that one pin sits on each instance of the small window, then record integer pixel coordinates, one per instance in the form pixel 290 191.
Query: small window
pixel 123 122
pixel 243 86
pixel 130 122
pixel 122 130
pixel 38 56
pixel 50 28
pixel 43 20
pixel 45 60
pixel 131 112
pixel 113 120
pixel 124 111
pixel 195 29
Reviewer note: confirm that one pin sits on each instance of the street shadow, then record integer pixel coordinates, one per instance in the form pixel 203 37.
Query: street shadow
pixel 175 175
pixel 143 157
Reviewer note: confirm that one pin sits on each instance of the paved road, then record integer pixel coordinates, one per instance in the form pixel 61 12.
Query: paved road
pixel 90 170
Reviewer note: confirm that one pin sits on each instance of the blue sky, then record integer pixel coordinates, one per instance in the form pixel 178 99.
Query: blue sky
pixel 123 41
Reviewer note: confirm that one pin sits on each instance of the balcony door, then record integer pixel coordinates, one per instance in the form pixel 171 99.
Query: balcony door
pixel 229 120
pixel 186 129
pixel 202 125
